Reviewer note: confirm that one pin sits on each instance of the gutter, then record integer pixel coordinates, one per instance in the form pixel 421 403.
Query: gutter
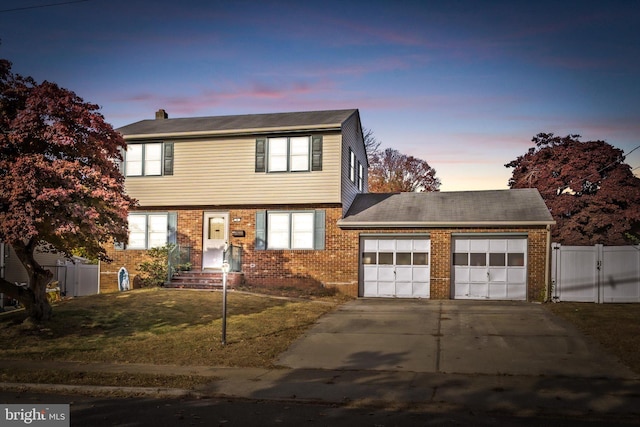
pixel 234 132
pixel 436 224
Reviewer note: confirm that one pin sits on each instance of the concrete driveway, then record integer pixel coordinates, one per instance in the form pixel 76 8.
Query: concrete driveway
pixel 468 337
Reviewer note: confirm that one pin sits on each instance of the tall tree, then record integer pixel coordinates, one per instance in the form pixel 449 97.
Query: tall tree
pixel 589 189
pixel 391 171
pixel 60 187
pixel 371 144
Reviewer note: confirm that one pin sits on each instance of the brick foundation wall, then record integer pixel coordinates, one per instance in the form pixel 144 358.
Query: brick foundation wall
pixel 336 266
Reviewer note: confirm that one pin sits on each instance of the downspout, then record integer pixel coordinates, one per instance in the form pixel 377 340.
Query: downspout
pixel 547 269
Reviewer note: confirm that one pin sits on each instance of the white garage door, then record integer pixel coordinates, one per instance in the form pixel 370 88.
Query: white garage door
pixel 396 267
pixel 490 268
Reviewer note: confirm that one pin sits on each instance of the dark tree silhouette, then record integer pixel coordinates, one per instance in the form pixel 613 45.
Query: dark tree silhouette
pixel 589 189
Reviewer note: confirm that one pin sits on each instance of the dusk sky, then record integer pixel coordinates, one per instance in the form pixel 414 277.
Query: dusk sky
pixel 464 85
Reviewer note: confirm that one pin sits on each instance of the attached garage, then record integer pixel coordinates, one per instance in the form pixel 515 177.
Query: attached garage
pixel 487 245
pixel 490 268
pixel 395 266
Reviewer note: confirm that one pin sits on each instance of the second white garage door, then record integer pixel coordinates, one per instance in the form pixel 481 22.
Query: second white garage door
pixel 490 268
pixel 396 267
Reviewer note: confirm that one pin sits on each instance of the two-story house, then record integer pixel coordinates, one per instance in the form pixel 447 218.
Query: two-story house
pixel 290 189
pixel 274 184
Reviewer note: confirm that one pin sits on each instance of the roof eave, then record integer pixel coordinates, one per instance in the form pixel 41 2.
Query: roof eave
pixel 236 132
pixel 434 224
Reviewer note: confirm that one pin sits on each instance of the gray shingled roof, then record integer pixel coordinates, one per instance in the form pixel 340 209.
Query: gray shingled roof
pixel 437 209
pixel 231 124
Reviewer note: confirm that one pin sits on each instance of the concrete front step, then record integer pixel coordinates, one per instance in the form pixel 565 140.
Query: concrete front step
pixel 203 279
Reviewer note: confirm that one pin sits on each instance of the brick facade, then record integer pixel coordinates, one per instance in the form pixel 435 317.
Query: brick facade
pixel 335 266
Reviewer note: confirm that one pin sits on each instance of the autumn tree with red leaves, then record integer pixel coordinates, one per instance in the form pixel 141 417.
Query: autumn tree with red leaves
pixel 60 188
pixel 589 189
pixel 391 171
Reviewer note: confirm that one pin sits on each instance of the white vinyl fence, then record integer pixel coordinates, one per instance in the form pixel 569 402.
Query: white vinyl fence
pixel 595 273
pixel 77 279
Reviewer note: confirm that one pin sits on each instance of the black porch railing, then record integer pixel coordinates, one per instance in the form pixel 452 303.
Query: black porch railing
pixel 179 259
pixel 233 255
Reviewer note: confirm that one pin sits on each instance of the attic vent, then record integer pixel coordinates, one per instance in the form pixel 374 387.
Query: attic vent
pixel 161 114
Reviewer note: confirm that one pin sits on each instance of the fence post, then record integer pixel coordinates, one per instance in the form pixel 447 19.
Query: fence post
pixel 555 274
pixel 599 248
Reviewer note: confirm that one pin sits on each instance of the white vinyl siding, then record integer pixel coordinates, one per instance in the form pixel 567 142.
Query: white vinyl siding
pixel 224 169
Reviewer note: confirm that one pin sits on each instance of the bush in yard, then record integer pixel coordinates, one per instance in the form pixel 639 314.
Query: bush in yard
pixel 154 272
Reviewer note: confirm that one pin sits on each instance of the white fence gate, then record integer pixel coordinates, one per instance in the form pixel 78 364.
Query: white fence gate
pixel 595 273
pixel 77 280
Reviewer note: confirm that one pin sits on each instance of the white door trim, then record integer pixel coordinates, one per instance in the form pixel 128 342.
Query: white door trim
pixel 214 239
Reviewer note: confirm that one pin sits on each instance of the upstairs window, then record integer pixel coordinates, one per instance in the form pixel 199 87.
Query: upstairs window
pixel 289 154
pixel 352 166
pixel 360 176
pixel 278 149
pixel 148 159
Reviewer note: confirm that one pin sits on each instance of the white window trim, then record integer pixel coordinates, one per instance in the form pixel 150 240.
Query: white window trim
pixel 147 231
pixel 352 166
pixel 291 235
pixel 290 155
pixel 144 162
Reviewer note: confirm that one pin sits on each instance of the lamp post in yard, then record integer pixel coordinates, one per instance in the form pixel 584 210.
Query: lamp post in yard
pixel 225 270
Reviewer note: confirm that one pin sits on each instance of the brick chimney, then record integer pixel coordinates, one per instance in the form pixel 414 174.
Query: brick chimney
pixel 161 114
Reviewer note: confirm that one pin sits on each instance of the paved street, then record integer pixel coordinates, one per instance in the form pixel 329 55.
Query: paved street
pixel 163 412
pixel 381 363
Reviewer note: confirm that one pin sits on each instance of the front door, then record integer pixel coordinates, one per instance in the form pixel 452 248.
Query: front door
pixel 214 238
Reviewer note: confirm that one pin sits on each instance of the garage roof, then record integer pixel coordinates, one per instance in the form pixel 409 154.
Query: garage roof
pixel 440 209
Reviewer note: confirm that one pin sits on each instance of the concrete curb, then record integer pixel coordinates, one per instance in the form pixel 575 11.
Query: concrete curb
pixel 98 390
